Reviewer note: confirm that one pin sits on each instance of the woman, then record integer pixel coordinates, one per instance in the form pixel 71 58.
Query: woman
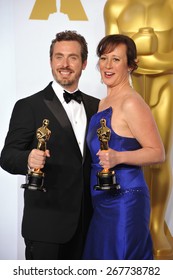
pixel 119 228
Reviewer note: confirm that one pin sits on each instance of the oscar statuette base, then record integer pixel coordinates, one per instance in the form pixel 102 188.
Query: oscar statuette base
pixel 34 181
pixel 106 181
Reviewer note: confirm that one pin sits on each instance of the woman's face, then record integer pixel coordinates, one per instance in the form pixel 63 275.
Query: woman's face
pixel 113 66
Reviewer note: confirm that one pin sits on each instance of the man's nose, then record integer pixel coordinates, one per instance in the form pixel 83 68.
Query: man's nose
pixel 65 62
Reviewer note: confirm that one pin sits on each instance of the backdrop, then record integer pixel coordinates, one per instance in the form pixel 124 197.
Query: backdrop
pixel 26 31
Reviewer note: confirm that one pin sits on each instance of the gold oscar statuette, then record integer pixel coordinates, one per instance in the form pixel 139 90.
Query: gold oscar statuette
pixel 106 179
pixel 35 177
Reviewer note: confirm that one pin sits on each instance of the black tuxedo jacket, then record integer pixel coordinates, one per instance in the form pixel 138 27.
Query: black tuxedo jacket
pixel 50 216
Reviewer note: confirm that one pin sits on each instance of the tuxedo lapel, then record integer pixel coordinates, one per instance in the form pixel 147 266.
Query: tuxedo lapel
pixel 55 106
pixel 89 112
pixel 58 111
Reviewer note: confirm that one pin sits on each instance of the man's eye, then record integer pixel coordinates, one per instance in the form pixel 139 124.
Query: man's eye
pixel 73 57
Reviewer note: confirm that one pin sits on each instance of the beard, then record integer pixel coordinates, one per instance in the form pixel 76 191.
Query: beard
pixel 67 81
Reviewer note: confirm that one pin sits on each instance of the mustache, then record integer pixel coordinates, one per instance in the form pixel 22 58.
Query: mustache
pixel 65 69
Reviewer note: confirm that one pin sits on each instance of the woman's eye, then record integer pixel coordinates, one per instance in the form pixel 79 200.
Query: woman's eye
pixel 116 59
pixel 102 58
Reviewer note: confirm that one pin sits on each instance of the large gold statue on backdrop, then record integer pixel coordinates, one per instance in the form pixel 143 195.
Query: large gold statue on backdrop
pixel 150 24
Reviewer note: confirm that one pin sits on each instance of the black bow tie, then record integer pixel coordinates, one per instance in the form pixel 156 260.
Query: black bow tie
pixel 75 96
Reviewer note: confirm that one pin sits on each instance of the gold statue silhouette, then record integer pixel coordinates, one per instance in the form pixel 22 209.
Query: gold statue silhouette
pixel 42 9
pixel 150 24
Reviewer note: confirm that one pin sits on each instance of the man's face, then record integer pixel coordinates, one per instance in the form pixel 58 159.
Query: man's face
pixel 66 64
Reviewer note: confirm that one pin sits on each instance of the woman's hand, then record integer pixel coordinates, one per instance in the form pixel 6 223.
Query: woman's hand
pixel 108 158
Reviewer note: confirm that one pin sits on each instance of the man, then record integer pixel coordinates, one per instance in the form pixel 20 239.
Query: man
pixel 55 222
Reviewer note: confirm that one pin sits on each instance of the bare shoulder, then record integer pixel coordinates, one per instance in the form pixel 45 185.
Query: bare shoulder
pixel 133 101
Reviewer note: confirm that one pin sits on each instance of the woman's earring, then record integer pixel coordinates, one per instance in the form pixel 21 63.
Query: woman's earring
pixel 130 79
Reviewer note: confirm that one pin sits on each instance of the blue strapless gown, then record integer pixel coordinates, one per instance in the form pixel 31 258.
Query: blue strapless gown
pixel 119 229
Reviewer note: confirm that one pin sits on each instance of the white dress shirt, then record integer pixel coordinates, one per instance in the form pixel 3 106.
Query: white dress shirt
pixel 76 114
